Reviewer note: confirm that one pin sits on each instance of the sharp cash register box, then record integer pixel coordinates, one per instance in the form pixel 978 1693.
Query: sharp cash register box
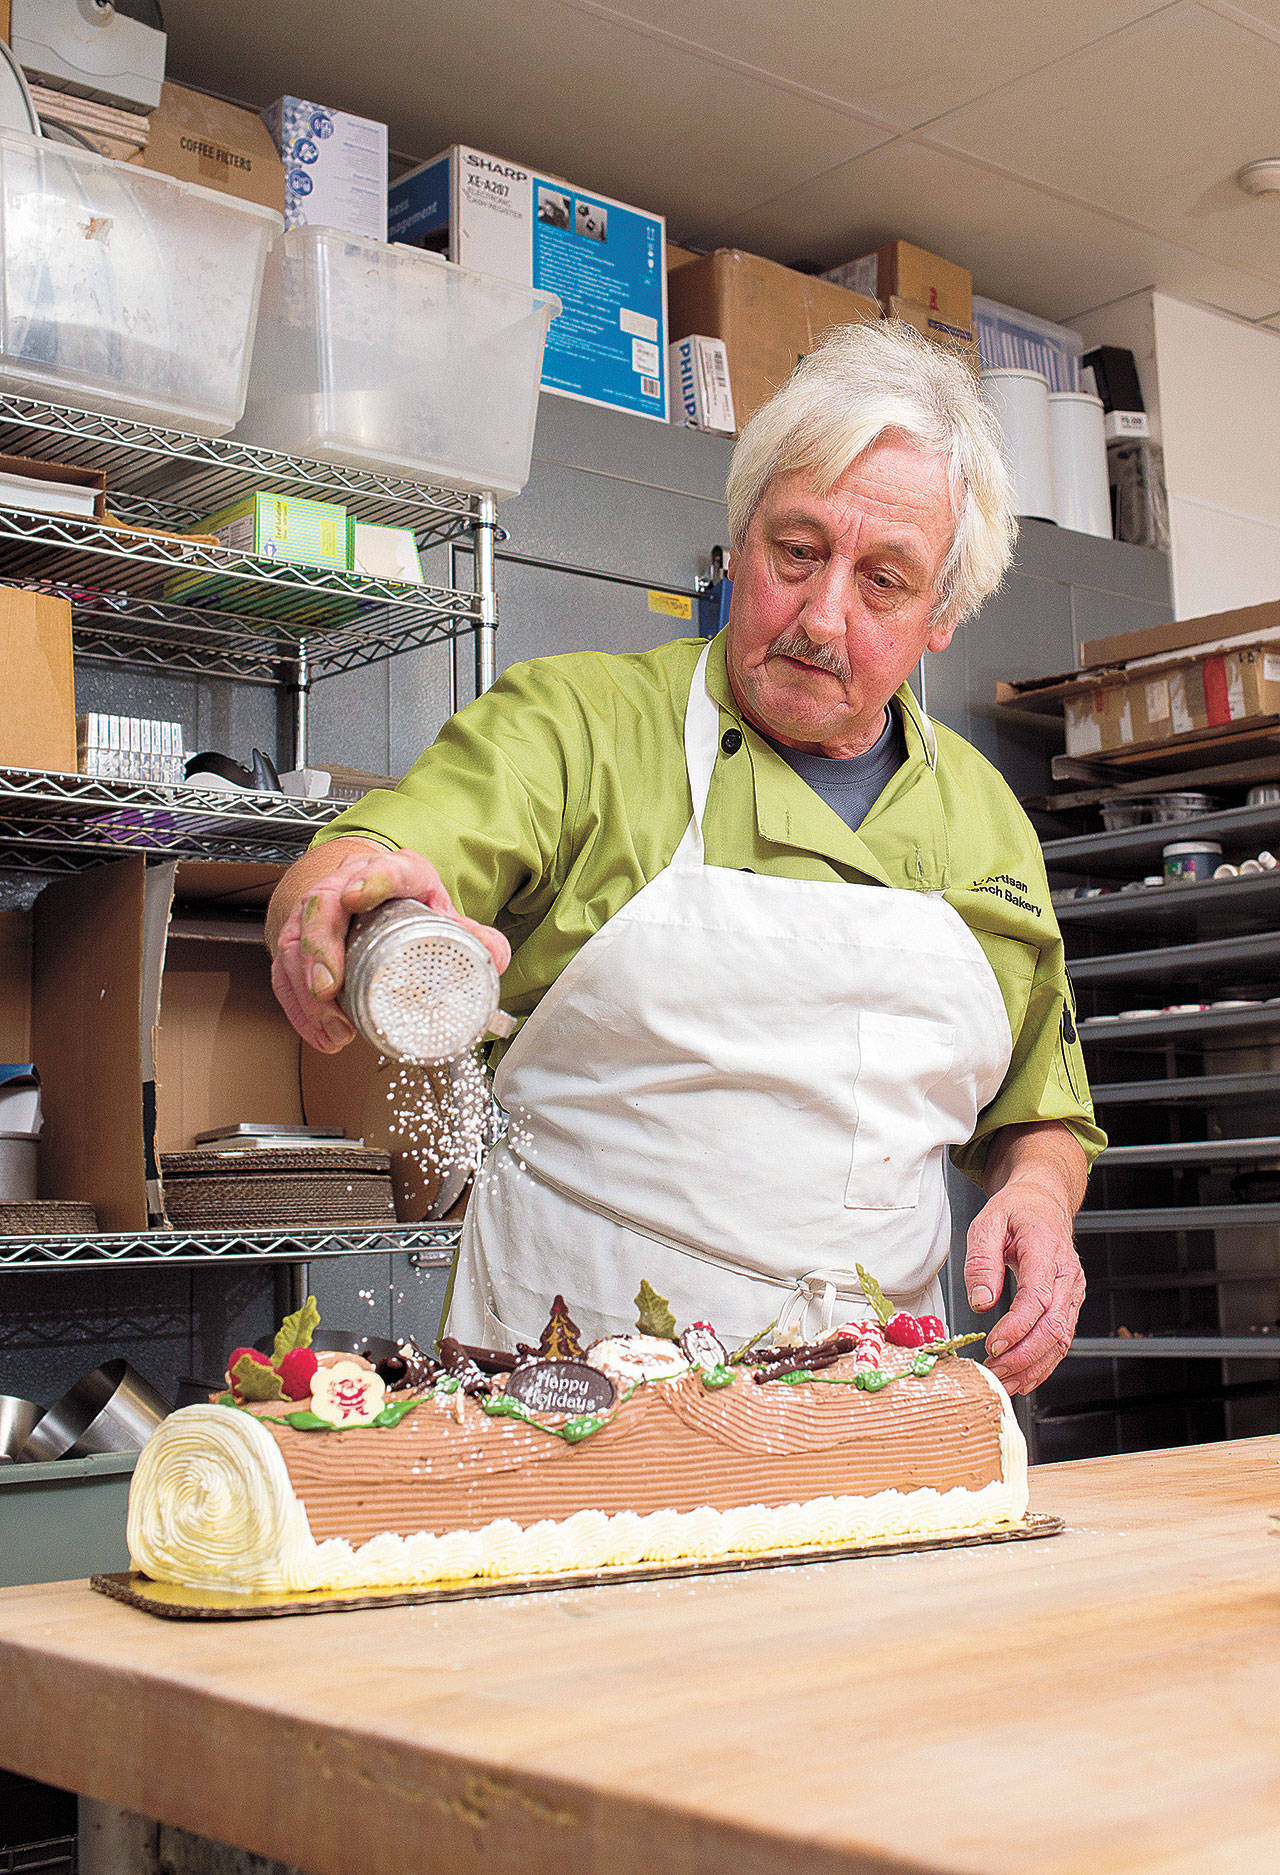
pixel 603 260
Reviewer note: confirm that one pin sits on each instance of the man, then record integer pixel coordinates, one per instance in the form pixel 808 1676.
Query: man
pixel 777 941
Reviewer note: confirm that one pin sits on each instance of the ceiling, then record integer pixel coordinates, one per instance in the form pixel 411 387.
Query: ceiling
pixel 1068 152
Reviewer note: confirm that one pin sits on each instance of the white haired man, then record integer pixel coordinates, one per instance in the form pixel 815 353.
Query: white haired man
pixel 778 942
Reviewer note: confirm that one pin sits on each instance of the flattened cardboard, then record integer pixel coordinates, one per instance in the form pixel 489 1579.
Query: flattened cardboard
pixel 15 986
pixel 217 145
pixel 86 992
pixel 768 316
pixel 1181 634
pixel 38 694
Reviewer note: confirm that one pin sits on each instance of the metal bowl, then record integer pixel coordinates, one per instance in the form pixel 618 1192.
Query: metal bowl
pixel 375 1348
pixel 17 1419
pixel 113 1409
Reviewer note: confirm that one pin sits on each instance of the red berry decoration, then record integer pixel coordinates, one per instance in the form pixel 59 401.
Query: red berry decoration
pixel 297 1370
pixel 935 1329
pixel 904 1331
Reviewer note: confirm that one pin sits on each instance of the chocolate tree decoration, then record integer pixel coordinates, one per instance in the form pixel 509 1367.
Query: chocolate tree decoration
pixel 560 1338
pixel 459 1363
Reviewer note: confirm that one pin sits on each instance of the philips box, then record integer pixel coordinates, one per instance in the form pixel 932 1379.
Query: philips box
pixel 700 394
pixel 335 167
pixel 603 260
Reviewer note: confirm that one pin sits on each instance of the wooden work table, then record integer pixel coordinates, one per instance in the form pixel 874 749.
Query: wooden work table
pixel 1099 1701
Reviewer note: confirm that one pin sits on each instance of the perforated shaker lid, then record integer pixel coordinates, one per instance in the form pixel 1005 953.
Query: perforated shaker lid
pixel 434 995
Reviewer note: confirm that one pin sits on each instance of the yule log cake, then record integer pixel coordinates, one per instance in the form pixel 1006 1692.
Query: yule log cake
pixel 324 1472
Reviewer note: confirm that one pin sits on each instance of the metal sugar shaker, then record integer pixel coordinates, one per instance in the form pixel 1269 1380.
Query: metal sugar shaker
pixel 419 986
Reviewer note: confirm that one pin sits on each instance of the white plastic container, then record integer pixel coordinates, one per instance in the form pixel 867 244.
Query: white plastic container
pixel 387 358
pixel 17 1167
pixel 1078 439
pixel 125 291
pixel 1019 401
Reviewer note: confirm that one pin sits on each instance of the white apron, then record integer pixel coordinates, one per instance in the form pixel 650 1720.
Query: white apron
pixel 739 1088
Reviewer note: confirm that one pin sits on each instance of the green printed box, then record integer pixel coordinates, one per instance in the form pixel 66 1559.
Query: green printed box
pixel 284 528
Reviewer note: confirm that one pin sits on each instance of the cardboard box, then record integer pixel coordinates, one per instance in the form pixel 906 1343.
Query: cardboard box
pixel 768 316
pixel 335 167
pixel 679 256
pixel 38 487
pixel 952 338
pixel 1166 699
pixel 38 696
pixel 602 258
pixel 1250 621
pixel 700 394
pixel 1192 698
pixel 217 145
pixel 288 528
pixel 143 996
pixel 898 270
pixel 380 552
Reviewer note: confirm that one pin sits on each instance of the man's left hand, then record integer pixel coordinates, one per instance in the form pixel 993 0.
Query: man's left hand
pixel 1036 1176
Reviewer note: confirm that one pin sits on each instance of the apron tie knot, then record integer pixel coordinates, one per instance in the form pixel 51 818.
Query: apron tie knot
pixel 824 1287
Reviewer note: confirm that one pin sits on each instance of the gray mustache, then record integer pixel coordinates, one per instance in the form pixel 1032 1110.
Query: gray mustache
pixel 822 657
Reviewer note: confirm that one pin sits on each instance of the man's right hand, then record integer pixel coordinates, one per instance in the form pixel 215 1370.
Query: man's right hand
pixel 307 924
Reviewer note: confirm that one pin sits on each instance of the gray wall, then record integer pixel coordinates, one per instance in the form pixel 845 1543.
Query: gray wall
pixel 610 492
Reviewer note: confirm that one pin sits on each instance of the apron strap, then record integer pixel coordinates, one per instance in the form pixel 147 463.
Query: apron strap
pixel 701 746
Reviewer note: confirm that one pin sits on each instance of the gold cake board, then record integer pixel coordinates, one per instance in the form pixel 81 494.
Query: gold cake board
pixel 175 1603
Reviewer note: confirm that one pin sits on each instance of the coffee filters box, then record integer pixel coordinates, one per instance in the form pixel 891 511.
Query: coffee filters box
pixel 603 259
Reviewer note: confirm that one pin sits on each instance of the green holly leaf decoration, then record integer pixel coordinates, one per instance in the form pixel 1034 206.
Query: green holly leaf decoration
pixel 874 1294
pixel 295 1331
pixel 948 1347
pixel 253 1381
pixel 745 1351
pixel 307 1422
pixel 654 1315
pixel 393 1414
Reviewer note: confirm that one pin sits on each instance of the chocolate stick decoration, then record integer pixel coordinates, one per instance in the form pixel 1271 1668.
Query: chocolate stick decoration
pixel 460 1364
pixel 810 1364
pixel 806 1354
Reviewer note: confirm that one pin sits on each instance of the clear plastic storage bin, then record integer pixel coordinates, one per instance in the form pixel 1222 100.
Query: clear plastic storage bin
pixel 125 291
pixel 384 357
pixel 1010 339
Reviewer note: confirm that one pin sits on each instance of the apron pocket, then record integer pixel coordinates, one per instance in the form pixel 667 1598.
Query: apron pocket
pixel 901 1059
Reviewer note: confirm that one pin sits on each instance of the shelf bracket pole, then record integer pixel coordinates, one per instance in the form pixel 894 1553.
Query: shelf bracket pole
pixel 484 530
pixel 301 702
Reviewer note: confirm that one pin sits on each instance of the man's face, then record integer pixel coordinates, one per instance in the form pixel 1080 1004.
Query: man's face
pixel 833 598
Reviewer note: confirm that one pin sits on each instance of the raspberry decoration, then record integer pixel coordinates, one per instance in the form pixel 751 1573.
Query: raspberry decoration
pixel 297 1370
pixel 935 1329
pixel 904 1331
pixel 285 1373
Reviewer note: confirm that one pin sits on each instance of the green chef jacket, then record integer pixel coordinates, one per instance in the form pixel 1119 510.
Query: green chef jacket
pixel 553 798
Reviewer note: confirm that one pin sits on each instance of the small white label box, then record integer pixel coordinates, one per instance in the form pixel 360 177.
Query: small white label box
pixel 700 395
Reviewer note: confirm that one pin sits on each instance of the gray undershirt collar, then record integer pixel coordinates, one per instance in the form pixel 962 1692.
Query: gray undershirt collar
pixel 851 784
